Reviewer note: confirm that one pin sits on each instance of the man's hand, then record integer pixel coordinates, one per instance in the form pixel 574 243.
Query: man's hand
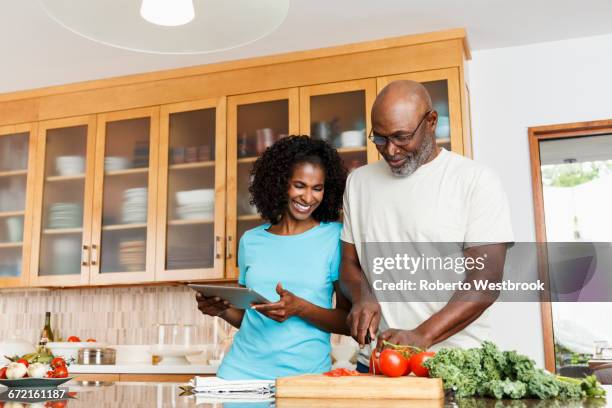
pixel 364 319
pixel 289 305
pixel 212 305
pixel 404 338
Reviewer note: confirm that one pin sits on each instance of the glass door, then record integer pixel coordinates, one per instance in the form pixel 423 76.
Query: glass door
pixel 17 158
pixel 64 183
pixel 443 87
pixel 191 196
pixel 123 238
pixel 254 122
pixel 339 113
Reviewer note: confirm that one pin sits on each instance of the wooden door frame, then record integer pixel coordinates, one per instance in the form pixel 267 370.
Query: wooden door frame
pixel 26 247
pixel 537 134
pixel 217 271
pixel 37 229
pixel 292 96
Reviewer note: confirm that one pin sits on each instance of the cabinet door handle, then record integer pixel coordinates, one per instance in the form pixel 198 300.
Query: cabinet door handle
pixel 94 255
pixel 85 256
pixel 217 249
pixel 228 247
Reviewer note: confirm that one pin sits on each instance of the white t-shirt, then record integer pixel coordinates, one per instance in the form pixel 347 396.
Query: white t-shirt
pixel 449 199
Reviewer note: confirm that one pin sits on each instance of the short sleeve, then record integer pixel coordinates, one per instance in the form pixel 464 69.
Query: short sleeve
pixel 335 263
pixel 241 262
pixel 488 213
pixel 347 230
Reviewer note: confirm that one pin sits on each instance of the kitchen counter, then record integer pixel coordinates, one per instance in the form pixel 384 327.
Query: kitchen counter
pixel 168 395
pixel 143 369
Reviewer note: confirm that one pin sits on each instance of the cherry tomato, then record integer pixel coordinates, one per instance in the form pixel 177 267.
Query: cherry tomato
pixel 23 361
pixel 3 373
pixel 60 372
pixel 50 374
pixel 58 362
pixel 408 367
pixel 90 340
pixel 375 364
pixel 416 363
pixel 74 339
pixel 392 363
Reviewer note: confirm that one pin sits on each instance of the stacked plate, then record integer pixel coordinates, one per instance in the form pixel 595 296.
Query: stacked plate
pixel 132 255
pixel 195 204
pixel 191 256
pixel 65 215
pixel 70 165
pixel 134 209
pixel 116 163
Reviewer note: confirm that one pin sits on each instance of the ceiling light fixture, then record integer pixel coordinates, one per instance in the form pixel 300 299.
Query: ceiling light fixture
pixel 168 13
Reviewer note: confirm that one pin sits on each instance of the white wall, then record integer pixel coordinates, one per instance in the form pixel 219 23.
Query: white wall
pixel 511 90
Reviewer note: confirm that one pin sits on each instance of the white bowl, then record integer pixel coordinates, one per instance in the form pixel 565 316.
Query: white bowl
pixel 206 195
pixel 114 163
pixel 70 165
pixel 70 350
pixel 175 355
pixel 352 138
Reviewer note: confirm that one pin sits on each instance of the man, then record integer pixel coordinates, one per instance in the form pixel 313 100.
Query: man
pixel 419 193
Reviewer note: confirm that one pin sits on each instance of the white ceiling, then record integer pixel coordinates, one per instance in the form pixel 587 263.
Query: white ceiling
pixel 35 51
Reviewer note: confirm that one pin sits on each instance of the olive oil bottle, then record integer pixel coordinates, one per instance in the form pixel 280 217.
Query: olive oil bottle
pixel 47 334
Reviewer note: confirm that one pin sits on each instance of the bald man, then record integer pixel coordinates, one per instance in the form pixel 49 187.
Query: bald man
pixel 419 193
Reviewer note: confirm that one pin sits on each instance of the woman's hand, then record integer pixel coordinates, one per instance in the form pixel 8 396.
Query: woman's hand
pixel 289 305
pixel 212 305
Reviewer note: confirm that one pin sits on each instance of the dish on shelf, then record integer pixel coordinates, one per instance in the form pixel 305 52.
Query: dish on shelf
pixel 352 138
pixel 116 163
pixel 70 165
pixel 190 197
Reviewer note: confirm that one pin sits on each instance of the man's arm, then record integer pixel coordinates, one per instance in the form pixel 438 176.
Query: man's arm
pixel 364 316
pixel 464 306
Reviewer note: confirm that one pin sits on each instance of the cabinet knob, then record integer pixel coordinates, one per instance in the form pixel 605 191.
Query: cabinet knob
pixel 228 247
pixel 85 256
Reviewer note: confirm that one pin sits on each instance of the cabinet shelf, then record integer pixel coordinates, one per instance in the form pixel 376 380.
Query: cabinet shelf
pixel 249 217
pixel 11 214
pixel 443 141
pixel 11 245
pixel 191 222
pixel 13 173
pixel 120 227
pixel 139 170
pixel 352 149
pixel 61 231
pixel 52 179
pixel 243 160
pixel 188 166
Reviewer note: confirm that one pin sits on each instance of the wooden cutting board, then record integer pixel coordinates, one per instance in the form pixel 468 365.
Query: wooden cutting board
pixel 359 387
pixel 357 403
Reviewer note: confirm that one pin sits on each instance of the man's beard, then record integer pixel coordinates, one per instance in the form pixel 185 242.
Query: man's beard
pixel 414 161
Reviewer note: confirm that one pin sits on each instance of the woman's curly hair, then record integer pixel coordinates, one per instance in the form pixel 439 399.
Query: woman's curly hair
pixel 272 171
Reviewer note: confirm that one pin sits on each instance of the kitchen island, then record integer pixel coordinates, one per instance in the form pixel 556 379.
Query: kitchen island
pixel 135 394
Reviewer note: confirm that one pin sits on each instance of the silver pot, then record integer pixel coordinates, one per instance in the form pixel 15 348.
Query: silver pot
pixel 97 356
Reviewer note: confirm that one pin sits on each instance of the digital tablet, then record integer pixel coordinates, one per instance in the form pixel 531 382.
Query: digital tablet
pixel 239 297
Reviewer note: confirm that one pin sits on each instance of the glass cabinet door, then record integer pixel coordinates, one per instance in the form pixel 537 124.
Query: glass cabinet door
pixel 443 87
pixel 255 122
pixel 61 241
pixel 191 203
pixel 339 113
pixel 123 238
pixel 17 157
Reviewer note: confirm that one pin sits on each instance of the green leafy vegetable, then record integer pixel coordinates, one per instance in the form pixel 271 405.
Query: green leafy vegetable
pixel 489 372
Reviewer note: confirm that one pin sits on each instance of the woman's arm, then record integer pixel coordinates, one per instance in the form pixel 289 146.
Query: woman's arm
pixel 329 320
pixel 233 316
pixel 216 307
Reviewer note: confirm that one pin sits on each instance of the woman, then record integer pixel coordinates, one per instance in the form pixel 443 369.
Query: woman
pixel 297 187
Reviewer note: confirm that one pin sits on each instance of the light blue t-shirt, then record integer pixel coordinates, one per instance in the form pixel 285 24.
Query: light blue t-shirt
pixel 306 264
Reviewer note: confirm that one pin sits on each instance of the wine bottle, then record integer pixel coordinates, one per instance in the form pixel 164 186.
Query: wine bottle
pixel 47 334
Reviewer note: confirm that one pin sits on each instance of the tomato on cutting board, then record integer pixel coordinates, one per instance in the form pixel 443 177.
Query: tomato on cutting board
pixel 416 363
pixel 375 364
pixel 393 363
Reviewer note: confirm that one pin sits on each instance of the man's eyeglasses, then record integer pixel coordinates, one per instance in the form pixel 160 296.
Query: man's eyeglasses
pixel 399 140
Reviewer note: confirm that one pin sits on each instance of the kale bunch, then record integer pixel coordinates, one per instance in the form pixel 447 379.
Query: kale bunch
pixel 489 372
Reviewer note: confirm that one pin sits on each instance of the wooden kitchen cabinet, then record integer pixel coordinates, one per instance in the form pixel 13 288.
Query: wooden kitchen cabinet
pixel 111 215
pixel 17 158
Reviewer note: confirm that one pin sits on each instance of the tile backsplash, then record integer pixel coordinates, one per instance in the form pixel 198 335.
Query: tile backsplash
pixel 111 315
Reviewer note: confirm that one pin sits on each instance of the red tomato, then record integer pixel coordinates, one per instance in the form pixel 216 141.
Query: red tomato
pixel 74 339
pixel 408 367
pixel 60 372
pixel 58 362
pixel 416 363
pixel 91 340
pixel 375 364
pixel 50 374
pixel 392 363
pixel 3 373
pixel 23 361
